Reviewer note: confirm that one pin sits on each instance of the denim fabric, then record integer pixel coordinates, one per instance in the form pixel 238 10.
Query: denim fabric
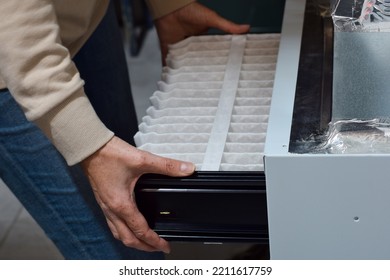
pixel 59 197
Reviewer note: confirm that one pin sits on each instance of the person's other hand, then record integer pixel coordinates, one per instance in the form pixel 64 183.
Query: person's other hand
pixel 192 19
pixel 113 171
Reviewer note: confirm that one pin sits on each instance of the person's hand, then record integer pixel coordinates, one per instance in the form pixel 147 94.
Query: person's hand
pixel 192 19
pixel 113 171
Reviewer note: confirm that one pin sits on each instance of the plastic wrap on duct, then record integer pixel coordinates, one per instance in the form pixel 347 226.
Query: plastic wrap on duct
pixel 357 137
pixel 361 15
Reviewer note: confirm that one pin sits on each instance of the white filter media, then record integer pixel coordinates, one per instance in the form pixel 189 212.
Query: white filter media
pixel 213 101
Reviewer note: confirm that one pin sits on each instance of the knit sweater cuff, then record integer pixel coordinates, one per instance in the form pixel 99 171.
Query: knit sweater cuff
pixel 74 128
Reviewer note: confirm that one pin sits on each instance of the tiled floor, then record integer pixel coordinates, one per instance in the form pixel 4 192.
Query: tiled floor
pixel 20 235
pixel 22 238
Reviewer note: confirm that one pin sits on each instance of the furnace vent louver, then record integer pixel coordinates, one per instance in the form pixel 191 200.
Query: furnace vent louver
pixel 212 104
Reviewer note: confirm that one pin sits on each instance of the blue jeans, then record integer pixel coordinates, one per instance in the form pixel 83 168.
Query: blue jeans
pixel 59 197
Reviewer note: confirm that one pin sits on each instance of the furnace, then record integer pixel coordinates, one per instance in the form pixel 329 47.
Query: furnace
pixel 253 112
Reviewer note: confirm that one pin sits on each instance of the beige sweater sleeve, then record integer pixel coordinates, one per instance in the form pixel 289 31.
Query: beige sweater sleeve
pixel 159 8
pixel 38 70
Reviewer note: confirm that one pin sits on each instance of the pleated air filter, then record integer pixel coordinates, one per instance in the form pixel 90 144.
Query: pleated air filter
pixel 212 104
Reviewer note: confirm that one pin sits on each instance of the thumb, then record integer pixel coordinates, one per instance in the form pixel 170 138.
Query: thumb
pixel 167 166
pixel 221 23
pixel 210 18
pixel 229 26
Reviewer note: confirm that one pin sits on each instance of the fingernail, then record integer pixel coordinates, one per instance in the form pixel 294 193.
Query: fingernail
pixel 187 167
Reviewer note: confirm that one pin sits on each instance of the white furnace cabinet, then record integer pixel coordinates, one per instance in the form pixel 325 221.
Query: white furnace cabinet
pixel 288 186
pixel 321 205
